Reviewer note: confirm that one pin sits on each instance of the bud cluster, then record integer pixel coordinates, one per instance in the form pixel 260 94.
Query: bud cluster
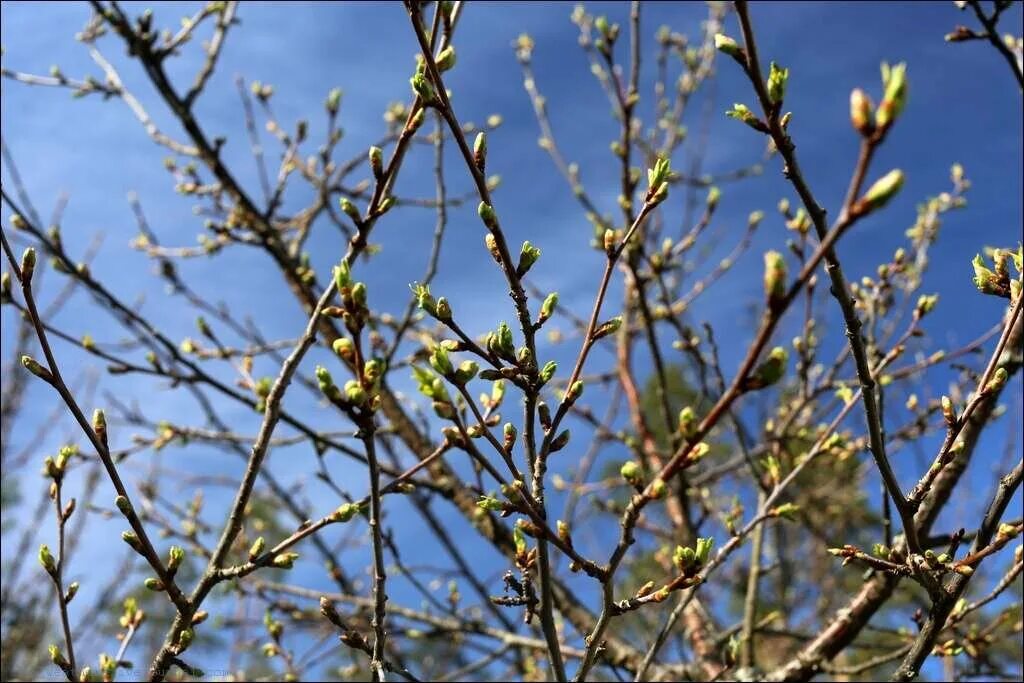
pixel 690 561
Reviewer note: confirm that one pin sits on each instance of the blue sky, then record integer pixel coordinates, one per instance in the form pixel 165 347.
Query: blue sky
pixel 963 107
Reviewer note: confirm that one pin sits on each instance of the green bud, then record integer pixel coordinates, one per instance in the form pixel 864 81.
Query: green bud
pixel 562 529
pixel 154 584
pixel 446 59
pixel 176 555
pixel 359 294
pixel 520 539
pixel 683 558
pixel 703 549
pixel 727 45
pixel 770 371
pixel 355 393
pixel 108 666
pixel 497 392
pixel 698 452
pixel 548 371
pixel 575 391
pixel 861 112
pixel 123 505
pixel 329 611
pixel 527 257
pixel 490 504
pixel 984 279
pixel 480 151
pixel 344 347
pixel 786 510
pixel 440 362
pixel 131 539
pixel 333 101
pixel 17 222
pixel 777 78
pixel 1001 259
pixel 28 264
pixel 422 88
pixel 467 370
pixel 425 379
pixel 285 560
pixel 714 196
pixel 376 156
pixel 895 98
pixel 417 120
pixel 884 189
pixel 351 210
pixel 46 559
pixel 632 472
pixel 660 195
pixel 687 422
pixel 510 433
pixel 33 366
pixel 1007 531
pixel 342 275
pixel 385 205
pixel 323 377
pixel 57 657
pixel 998 381
pixel 65 454
pixel 504 342
pixel 256 549
pixel 926 304
pixel 606 328
pixel 444 310
pixel 50 468
pixel 492 247
pixel 373 370
pixel 774 276
pixel 741 112
pixel 487 215
pixel 99 424
pixel 609 241
pixel 548 307
pixel 72 591
pixel 424 299
pixel 948 411
pixel 345 512
pixel 659 489
pixel 185 639
pixel 659 174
